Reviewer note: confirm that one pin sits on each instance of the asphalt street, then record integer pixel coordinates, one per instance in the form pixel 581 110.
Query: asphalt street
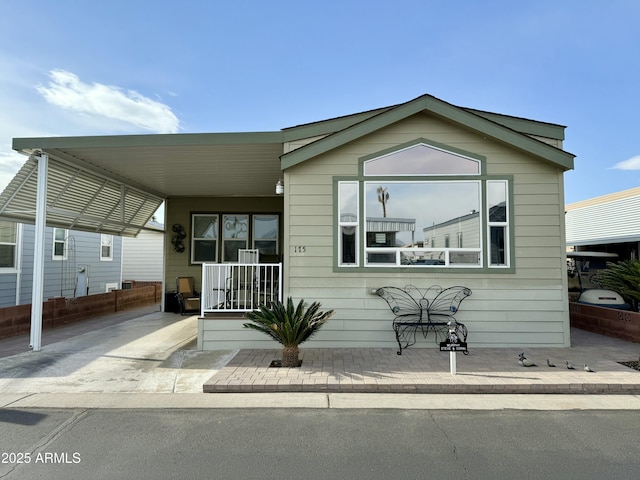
pixel 317 444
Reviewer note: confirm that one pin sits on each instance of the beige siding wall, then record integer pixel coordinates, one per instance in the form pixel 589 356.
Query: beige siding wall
pixel 528 307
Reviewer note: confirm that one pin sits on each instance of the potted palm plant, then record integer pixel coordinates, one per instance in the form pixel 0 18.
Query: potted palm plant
pixel 289 325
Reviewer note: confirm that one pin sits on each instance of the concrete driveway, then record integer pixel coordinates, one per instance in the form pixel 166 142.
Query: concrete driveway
pixel 153 353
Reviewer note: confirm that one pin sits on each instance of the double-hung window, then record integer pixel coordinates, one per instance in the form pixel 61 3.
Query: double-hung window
pixel 423 206
pixel 8 244
pixel 204 239
pixel 106 248
pixel 59 244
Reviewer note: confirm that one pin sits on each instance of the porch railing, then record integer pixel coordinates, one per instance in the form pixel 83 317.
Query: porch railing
pixel 239 287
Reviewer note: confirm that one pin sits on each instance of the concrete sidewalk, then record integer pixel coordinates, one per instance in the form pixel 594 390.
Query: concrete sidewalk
pixel 149 360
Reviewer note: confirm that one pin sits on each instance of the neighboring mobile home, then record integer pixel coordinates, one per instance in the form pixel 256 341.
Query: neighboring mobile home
pixel 142 255
pixel 608 223
pixel 76 263
pixel 359 196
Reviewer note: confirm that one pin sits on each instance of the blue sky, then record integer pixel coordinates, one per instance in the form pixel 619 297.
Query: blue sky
pixel 131 66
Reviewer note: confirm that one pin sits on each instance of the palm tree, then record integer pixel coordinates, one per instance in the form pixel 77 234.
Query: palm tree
pixel 383 198
pixel 288 325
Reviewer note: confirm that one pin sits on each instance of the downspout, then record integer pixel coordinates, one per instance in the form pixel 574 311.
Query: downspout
pixel 38 253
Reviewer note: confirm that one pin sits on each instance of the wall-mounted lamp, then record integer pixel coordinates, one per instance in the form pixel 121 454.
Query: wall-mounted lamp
pixel 279 187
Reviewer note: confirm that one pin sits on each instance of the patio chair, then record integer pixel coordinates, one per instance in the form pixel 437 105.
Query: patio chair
pixel 188 298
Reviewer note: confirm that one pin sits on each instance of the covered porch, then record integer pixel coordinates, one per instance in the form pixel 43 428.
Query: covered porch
pixel 115 184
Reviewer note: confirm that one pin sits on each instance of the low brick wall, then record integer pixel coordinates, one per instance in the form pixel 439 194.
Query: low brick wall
pixel 59 311
pixel 611 322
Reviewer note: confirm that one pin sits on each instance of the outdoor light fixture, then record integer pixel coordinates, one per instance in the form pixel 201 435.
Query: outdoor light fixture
pixel 279 187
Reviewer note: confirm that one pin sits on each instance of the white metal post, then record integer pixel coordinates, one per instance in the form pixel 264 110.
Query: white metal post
pixel 452 362
pixel 38 254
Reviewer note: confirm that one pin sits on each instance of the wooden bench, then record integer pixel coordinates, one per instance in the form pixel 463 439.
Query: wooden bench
pixel 430 310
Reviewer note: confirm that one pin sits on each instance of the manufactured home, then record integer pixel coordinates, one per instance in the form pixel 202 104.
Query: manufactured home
pixel 422 193
pixel 76 263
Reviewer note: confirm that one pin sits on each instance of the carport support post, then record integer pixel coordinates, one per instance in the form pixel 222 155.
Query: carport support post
pixel 38 254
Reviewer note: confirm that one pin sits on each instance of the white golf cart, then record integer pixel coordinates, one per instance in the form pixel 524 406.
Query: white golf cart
pixel 582 267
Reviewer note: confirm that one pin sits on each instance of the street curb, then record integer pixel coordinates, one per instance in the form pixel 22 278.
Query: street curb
pixel 391 401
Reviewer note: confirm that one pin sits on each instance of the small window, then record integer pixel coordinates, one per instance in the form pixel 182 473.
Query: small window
pixel 8 242
pixel 106 248
pixel 235 236
pixel 422 159
pixel 348 223
pixel 265 234
pixel 497 192
pixel 204 242
pixel 60 244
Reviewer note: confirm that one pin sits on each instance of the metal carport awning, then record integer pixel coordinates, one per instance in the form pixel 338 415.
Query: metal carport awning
pixel 78 199
pixel 50 191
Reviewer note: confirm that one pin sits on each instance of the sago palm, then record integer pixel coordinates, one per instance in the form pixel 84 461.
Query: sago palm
pixel 289 325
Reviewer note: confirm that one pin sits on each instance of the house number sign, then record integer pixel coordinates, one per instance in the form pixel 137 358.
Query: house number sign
pixel 299 249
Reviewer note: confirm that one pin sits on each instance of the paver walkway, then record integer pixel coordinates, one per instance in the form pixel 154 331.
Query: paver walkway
pixel 427 370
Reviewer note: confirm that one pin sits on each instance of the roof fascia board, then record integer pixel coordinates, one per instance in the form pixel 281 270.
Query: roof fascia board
pixel 437 107
pixel 326 127
pixel 27 145
pixel 353 132
pixel 524 125
pixel 501 133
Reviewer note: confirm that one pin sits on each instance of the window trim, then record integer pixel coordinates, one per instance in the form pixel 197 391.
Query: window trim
pixel 250 241
pixel 17 245
pixel 482 177
pixel 276 240
pixel 65 245
pixel 506 225
pixel 226 217
pixel 345 223
pixel 195 239
pixel 103 237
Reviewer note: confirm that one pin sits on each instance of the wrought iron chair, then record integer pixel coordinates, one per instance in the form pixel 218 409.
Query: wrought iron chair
pixel 430 310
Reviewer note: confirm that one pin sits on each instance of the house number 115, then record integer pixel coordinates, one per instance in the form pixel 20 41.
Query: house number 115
pixel 299 249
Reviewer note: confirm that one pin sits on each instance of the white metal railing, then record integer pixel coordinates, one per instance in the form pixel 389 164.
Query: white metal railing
pixel 239 287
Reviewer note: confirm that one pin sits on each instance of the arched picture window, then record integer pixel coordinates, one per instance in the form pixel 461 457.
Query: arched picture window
pixel 423 206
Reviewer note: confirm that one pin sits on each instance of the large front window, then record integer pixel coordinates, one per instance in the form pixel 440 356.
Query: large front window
pixel 236 232
pixel 423 206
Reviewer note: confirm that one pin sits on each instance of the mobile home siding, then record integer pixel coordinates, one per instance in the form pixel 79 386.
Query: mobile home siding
pixel 142 257
pixel 526 307
pixel 60 275
pixel 612 220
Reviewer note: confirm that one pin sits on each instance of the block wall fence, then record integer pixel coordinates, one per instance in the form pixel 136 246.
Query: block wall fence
pixel 622 324
pixel 60 310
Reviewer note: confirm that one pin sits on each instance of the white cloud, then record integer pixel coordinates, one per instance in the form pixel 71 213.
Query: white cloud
pixel 10 163
pixel 67 91
pixel 631 164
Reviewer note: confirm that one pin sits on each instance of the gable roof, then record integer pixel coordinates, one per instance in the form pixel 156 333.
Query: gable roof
pixel 114 184
pixel 499 127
